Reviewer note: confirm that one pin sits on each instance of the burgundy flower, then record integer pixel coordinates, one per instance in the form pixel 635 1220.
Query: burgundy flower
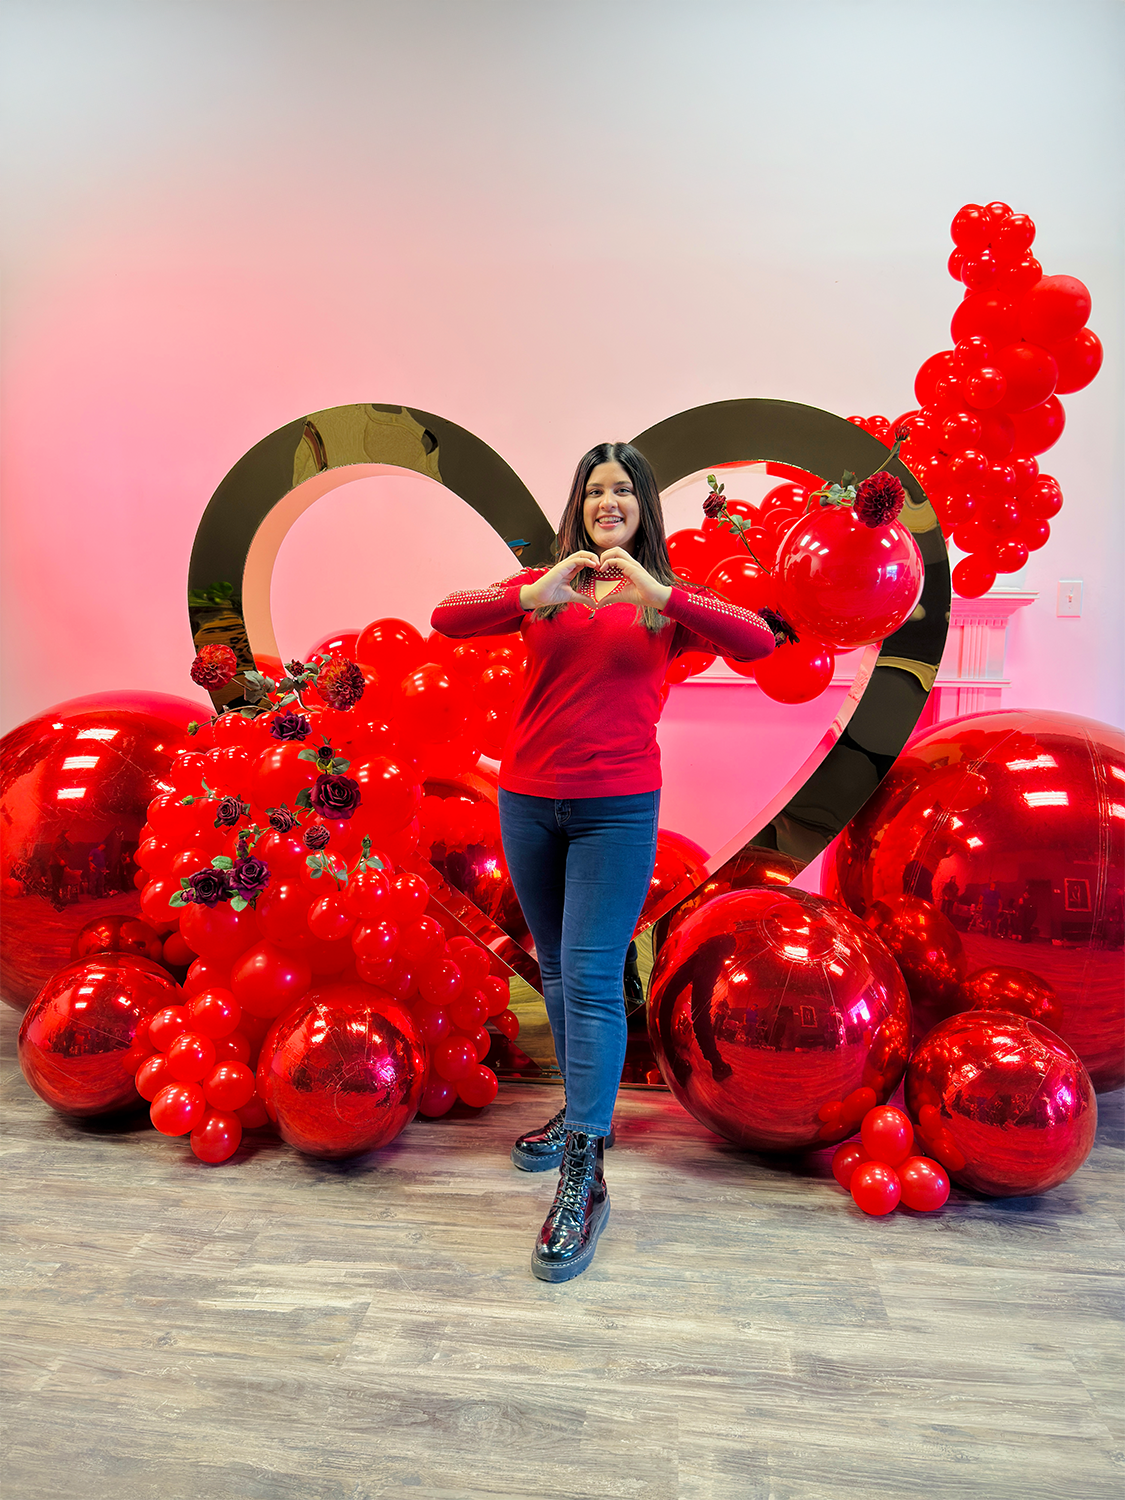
pixel 879 499
pixel 335 796
pixel 713 505
pixel 783 632
pixel 340 682
pixel 316 837
pixel 281 819
pixel 214 666
pixel 208 887
pixel 290 726
pixel 902 434
pixel 249 878
pixel 228 812
pixel 295 668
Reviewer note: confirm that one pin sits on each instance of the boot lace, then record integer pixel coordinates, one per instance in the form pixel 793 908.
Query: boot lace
pixel 574 1181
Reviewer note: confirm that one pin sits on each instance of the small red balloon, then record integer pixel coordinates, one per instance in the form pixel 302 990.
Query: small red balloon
pixel 845 1159
pixel 166 1026
pixel 507 1023
pixel 453 1058
pixel 229 1086
pixel 190 1056
pixel 478 1087
pixel 438 1098
pixel 887 1135
pixel 178 1108
pixel 214 1013
pixel 217 1138
pixel 925 1184
pixel 152 1075
pixel 875 1188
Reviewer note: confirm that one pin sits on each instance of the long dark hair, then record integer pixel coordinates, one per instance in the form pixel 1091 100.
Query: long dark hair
pixel 649 545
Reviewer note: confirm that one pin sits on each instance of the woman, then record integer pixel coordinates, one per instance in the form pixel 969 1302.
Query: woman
pixel 580 791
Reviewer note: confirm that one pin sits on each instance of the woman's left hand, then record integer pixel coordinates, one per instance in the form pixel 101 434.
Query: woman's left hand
pixel 641 587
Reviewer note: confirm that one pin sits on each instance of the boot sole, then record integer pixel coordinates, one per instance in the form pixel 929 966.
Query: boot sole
pixel 566 1270
pixel 527 1162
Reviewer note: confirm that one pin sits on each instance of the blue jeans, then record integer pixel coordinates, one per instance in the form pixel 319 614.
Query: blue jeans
pixel 581 869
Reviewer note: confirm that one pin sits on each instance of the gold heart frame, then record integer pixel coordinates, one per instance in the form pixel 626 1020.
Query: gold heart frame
pixel 258 501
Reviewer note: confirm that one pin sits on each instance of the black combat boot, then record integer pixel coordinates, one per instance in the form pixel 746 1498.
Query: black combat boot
pixel 569 1236
pixel 542 1150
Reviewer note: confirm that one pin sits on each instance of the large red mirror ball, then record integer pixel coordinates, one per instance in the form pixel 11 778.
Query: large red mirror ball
pixel 1008 828
pixel 74 792
pixel 342 1072
pixel 778 1019
pixel 1003 1104
pixel 77 1043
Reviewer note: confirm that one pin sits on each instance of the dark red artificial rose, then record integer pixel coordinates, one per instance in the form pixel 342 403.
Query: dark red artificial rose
pixel 208 887
pixel 290 726
pixel 316 836
pixel 281 819
pixel 228 812
pixel 249 878
pixel 879 499
pixel 713 505
pixel 335 796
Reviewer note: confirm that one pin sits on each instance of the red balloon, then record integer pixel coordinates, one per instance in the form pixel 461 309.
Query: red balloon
pixel 375 942
pixel 279 774
pixel 985 387
pixel 1010 555
pixel 972 228
pixel 875 1188
pixel 409 896
pixel 1042 499
pixel 339 643
pixel 190 1056
pixel 845 1159
pixel 178 1108
pixel 152 1075
pixel 507 1023
pixel 217 1138
pixel 1054 309
pixel 433 707
pixel 267 979
pixel 453 1057
pixel 1040 428
pixel 329 920
pixel 478 1087
pixel 390 648
pixel 796 673
pixel 887 1134
pixel 438 1097
pixel 368 895
pixel 283 852
pixel 768 1009
pixel 83 1037
pixel 391 795
pixel 283 910
pixel 980 271
pixel 166 1025
pixel 938 367
pixel 1030 375
pixel 343 1071
pixel 440 983
pixel 986 1133
pixel 254 1116
pixel 1079 359
pixel 1035 534
pixel 229 1085
pixel 845 583
pixel 234 1048
pixel 925 1184
pixel 997 434
pixel 420 940
pixel 469 1011
pixel 989 314
pixel 219 932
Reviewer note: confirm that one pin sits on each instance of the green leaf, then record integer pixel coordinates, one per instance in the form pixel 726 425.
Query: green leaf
pixel 304 798
pixel 310 755
pixel 237 903
pixel 177 899
pixel 337 765
pixel 193 727
pixel 848 481
pixel 315 866
pixel 222 862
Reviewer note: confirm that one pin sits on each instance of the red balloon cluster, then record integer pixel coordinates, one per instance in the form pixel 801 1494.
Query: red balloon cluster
pixel 882 1170
pixel 989 407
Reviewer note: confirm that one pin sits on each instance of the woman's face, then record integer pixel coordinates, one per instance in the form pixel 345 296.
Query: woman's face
pixel 610 510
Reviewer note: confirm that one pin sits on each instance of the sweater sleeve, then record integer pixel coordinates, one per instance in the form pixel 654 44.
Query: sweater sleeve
pixel 708 623
pixel 492 611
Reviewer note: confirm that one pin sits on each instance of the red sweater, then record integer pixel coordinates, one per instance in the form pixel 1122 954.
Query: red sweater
pixel 586 723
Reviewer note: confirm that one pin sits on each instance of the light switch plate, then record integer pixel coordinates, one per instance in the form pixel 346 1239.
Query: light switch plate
pixel 1070 597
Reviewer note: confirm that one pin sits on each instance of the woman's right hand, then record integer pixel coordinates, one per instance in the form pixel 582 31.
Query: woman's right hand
pixel 555 586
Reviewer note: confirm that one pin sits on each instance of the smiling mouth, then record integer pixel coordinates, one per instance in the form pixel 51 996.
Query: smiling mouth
pixel 610 520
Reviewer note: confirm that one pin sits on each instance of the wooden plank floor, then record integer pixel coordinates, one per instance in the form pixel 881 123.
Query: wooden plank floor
pixel 283 1328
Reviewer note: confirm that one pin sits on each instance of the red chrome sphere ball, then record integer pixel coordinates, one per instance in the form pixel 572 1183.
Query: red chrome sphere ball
pixel 1004 1105
pixel 1009 826
pixel 772 1013
pixel 77 1045
pixel 343 1071
pixel 77 782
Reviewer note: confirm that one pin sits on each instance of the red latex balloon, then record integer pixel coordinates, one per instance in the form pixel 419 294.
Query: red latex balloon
pixel 283 909
pixel 440 983
pixel 478 1087
pixel 453 1057
pixel 78 1044
pixel 738 579
pixel 973 576
pixel 1009 804
pixel 1054 309
pixel 887 1135
pixel 391 795
pixel 279 774
pixel 267 979
pixel 507 1023
pixel 848 584
pixel 1010 555
pixel 1040 428
pixel 190 1056
pixel 1004 1104
pixel 368 895
pixel 938 367
pixel 342 1072
pixel 1030 375
pixel 217 1138
pixel 925 1184
pixel 680 866
pixel 390 648
pixel 972 228
pixel 768 1009
pixel 694 553
pixel 152 1075
pixel 339 643
pixel 433 705
pixel 178 1108
pixel 420 940
pixel 989 314
pixel 1042 499
pixel 845 1159
pixel 1079 359
pixel 329 920
pixel 796 673
pixel 875 1188
pixel 166 1025
pixel 219 932
pixel 985 387
pixel 229 1086
pixel 375 942
pixel 438 1098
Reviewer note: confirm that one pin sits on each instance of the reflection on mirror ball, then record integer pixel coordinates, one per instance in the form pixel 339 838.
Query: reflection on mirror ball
pixel 77 781
pixel 752 865
pixel 778 1019
pixel 76 1043
pixel 1011 825
pixel 1003 1103
pixel 342 1071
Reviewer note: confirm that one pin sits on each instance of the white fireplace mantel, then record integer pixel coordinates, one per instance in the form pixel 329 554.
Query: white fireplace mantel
pixel 971 678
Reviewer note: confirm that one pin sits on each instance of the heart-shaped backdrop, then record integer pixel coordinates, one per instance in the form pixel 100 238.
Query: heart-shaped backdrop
pixel 261 497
